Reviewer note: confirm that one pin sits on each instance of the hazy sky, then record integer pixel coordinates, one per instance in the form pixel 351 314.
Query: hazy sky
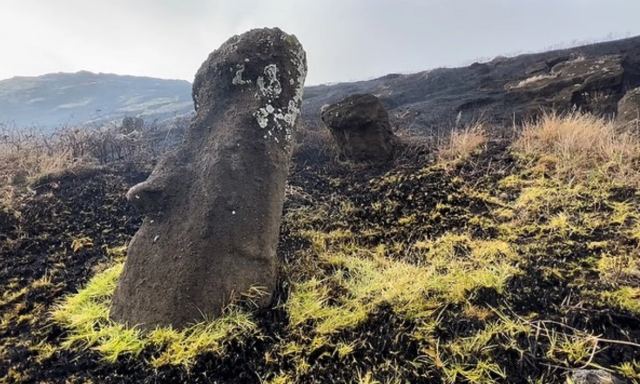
pixel 344 39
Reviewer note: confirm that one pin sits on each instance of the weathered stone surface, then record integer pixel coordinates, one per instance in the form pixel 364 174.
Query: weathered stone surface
pixel 360 126
pixel 213 207
pixel 580 82
pixel 594 376
pixel 579 73
pixel 629 109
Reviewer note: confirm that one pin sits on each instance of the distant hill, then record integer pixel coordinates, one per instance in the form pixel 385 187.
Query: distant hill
pixel 592 77
pixel 58 99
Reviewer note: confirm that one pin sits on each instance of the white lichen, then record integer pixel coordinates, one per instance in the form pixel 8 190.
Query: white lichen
pixel 237 79
pixel 262 117
pixel 269 87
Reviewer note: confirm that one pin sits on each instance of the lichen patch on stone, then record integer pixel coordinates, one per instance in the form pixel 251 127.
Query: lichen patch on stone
pixel 269 85
pixel 269 88
pixel 237 79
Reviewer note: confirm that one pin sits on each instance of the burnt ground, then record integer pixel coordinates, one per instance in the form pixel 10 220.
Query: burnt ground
pixel 65 228
pixel 427 101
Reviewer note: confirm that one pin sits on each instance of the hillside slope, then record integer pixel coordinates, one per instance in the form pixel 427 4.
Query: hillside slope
pixel 593 77
pixel 53 100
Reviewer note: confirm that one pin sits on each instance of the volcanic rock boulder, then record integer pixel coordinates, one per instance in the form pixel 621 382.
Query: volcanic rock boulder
pixel 360 126
pixel 592 84
pixel 629 109
pixel 213 207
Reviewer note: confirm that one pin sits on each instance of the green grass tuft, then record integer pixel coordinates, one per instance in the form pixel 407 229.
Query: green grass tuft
pixel 85 315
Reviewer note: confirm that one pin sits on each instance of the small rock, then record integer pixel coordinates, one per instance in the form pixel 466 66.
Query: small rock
pixel 594 376
pixel 629 109
pixel 360 126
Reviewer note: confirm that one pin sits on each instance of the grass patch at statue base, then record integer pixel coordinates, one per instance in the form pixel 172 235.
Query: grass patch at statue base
pixel 86 317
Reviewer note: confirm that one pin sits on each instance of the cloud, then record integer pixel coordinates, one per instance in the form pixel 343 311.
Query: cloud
pixel 344 39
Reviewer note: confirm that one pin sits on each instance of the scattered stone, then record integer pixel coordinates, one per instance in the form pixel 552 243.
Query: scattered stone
pixel 360 127
pixel 629 109
pixel 594 376
pixel 568 78
pixel 589 83
pixel 213 206
pixel 131 124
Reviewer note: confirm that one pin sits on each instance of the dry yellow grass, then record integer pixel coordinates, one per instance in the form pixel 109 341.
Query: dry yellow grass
pixel 579 145
pixel 20 163
pixel 25 164
pixel 25 156
pixel 463 143
pixel 28 154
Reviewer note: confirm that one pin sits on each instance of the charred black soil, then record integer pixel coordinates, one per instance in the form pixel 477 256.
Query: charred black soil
pixel 555 311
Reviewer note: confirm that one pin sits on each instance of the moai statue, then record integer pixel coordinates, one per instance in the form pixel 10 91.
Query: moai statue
pixel 213 206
